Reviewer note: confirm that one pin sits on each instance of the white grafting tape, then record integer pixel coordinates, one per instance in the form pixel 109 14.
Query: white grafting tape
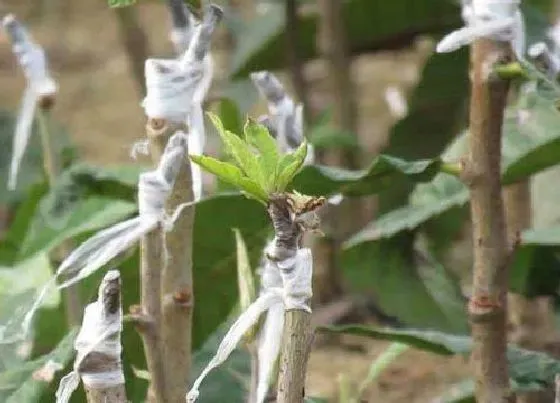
pixel 31 57
pixel 285 116
pixel 500 20
pixel 176 89
pixel 286 285
pixel 100 332
pixel 153 189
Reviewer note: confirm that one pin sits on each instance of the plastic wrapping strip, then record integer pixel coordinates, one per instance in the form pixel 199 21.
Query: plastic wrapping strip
pixel 290 290
pixel 100 332
pixel 153 189
pixel 177 88
pixel 500 20
pixel 31 57
pixel 285 119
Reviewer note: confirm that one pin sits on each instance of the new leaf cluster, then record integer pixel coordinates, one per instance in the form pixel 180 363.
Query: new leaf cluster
pixel 260 169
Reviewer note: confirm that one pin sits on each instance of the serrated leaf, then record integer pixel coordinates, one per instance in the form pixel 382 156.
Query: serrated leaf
pixel 258 136
pixel 289 166
pixel 233 175
pixel 246 160
pixel 525 366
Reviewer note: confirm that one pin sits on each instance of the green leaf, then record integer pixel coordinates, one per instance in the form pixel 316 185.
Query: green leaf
pixel 230 115
pixel 120 3
pixel 429 200
pixel 246 160
pixel 214 256
pixel 262 40
pixel 381 362
pixel 531 137
pixel 233 175
pixel 525 367
pixel 437 109
pixel 326 136
pixel 245 281
pixel 14 236
pixel 49 229
pixel 527 149
pixel 382 173
pixel 258 136
pixel 23 384
pixel 535 269
pixel 84 198
pixel 289 166
pixel 432 298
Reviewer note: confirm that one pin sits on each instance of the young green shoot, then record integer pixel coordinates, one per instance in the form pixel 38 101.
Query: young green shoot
pixel 259 170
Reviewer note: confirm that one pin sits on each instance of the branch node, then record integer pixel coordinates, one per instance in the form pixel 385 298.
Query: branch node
pixel 182 298
pixel 469 174
pixel 142 321
pixel 484 307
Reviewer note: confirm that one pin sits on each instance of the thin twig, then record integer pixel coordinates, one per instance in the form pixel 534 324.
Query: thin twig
pixel 52 166
pixel 155 257
pixel 488 305
pixel 298 332
pixel 176 279
pixel 149 314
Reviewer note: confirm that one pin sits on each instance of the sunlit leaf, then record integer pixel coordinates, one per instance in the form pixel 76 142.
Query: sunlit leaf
pixel 245 159
pixel 231 174
pixel 269 156
pixel 289 166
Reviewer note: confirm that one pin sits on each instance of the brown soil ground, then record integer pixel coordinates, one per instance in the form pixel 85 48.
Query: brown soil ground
pixel 99 104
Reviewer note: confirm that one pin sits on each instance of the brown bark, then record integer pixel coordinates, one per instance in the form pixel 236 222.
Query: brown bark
pixel 295 353
pixel 149 323
pixel 342 220
pixel 488 304
pixel 176 278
